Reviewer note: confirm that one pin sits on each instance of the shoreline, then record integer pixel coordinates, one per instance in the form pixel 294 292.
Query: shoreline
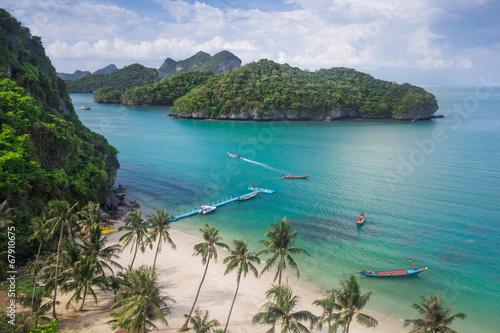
pixel 180 274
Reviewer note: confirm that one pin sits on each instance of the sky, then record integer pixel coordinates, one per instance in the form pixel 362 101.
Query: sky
pixel 427 42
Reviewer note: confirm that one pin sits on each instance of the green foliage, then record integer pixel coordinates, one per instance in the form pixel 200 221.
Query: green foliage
pixel 128 77
pixel 267 87
pixel 166 91
pixel 52 328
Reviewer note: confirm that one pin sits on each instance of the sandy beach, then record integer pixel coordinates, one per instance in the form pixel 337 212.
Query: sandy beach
pixel 180 274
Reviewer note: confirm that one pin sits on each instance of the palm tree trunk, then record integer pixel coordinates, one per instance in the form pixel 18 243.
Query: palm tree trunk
pixel 144 320
pixel 231 310
pixel 57 271
pixel 34 279
pixel 185 326
pixel 279 279
pixel 135 253
pixel 156 254
pixel 348 323
pixel 83 299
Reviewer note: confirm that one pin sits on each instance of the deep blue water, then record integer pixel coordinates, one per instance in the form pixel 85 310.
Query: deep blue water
pixel 430 191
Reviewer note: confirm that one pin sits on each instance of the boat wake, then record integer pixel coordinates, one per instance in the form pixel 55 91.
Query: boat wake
pixel 262 164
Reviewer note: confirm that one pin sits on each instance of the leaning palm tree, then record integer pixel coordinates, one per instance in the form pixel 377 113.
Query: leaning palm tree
pixel 208 250
pixel 5 214
pixel 280 311
pixel 95 248
pixel 135 233
pixel 63 216
pixel 200 322
pixel 436 318
pixel 159 227
pixel 280 243
pixel 329 306
pixel 242 260
pixel 40 226
pixel 139 303
pixel 82 278
pixel 349 301
pixel 38 307
pixel 89 215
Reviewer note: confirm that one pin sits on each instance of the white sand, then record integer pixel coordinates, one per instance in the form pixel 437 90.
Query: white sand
pixel 180 273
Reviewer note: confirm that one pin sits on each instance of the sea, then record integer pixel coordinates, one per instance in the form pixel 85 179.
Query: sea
pixel 430 191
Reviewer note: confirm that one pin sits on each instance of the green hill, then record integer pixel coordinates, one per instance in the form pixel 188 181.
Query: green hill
pixel 266 90
pixel 75 76
pixel 128 77
pixel 45 151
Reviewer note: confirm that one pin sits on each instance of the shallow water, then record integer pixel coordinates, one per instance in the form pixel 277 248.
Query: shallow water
pixel 429 190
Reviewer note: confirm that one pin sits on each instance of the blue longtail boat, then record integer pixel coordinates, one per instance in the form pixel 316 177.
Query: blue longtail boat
pixel 394 272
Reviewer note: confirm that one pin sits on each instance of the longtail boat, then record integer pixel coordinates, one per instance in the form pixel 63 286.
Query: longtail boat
pixel 361 219
pixel 235 156
pixel 393 273
pixel 249 196
pixel 294 177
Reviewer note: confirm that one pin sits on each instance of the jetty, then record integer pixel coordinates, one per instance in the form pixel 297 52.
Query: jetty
pixel 223 202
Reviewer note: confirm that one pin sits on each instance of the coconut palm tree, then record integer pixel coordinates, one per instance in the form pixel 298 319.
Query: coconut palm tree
pixel 95 248
pixel 280 243
pixel 280 311
pixel 207 250
pixel 89 215
pixel 5 214
pixel 200 322
pixel 135 233
pixel 349 301
pixel 63 216
pixel 436 317
pixel 81 279
pixel 159 226
pixel 139 303
pixel 40 226
pixel 329 306
pixel 242 260
pixel 38 307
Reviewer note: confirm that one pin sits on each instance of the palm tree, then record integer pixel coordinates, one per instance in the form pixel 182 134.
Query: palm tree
pixel 242 260
pixel 280 243
pixel 63 216
pixel 207 250
pixel 5 214
pixel 349 301
pixel 90 215
pixel 135 233
pixel 279 310
pixel 159 226
pixel 435 317
pixel 200 322
pixel 82 278
pixel 40 226
pixel 95 248
pixel 38 307
pixel 329 306
pixel 140 302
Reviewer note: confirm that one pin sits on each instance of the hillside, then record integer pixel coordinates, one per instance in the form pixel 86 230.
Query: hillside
pixel 45 151
pixel 266 90
pixel 75 76
pixel 128 77
pixel 219 63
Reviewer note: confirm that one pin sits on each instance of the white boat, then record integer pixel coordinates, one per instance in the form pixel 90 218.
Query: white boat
pixel 85 107
pixel 206 209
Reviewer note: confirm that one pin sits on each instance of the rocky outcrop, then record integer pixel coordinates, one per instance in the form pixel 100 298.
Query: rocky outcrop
pixel 106 70
pixel 117 204
pixel 419 113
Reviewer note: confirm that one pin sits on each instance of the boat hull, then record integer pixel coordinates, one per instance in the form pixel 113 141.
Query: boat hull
pixel 394 272
pixel 249 196
pixel 295 177
pixel 234 156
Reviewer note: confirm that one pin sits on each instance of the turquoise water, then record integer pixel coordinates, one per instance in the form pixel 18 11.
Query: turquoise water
pixel 429 190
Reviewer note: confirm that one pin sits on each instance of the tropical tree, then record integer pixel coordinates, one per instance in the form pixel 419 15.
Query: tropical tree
pixel 349 301
pixel 243 261
pixel 436 317
pixel 207 250
pixel 135 233
pixel 200 322
pixel 38 307
pixel 40 226
pixel 5 214
pixel 280 243
pixel 90 215
pixel 159 225
pixel 329 306
pixel 63 216
pixel 139 303
pixel 280 311
pixel 95 248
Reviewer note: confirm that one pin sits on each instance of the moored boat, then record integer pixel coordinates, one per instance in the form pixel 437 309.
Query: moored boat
pixel 85 107
pixel 254 187
pixel 206 209
pixel 394 272
pixel 361 219
pixel 249 196
pixel 294 177
pixel 235 156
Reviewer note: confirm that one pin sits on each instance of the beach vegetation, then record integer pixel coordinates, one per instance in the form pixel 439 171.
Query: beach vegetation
pixel 158 227
pixel 135 233
pixel 201 322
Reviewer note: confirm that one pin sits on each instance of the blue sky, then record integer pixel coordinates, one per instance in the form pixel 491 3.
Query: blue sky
pixel 417 41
